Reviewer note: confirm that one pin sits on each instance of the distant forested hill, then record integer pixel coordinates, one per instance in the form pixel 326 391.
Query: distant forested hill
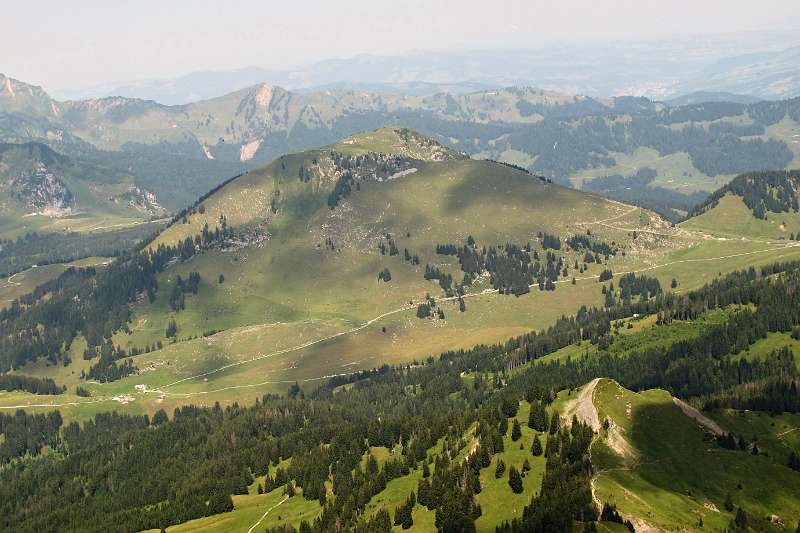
pixel 762 192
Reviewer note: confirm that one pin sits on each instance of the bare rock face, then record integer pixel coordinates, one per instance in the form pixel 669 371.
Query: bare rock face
pixel 140 199
pixel 42 191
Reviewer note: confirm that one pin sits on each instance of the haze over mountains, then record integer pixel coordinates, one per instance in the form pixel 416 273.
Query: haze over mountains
pixel 754 65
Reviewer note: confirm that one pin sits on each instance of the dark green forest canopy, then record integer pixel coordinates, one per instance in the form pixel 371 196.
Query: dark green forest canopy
pixel 132 473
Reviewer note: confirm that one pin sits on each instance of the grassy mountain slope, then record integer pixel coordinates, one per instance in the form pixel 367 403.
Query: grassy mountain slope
pixel 287 276
pixel 300 297
pixel 647 462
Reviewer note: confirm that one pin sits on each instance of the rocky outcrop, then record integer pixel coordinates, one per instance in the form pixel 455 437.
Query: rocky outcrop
pixel 43 192
pixel 141 200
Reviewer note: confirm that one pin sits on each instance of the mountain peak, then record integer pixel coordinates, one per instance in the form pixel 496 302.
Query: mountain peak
pixel 18 96
pixel 400 141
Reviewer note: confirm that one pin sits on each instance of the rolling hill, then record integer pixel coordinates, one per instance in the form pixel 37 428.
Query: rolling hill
pixel 309 236
pixel 384 247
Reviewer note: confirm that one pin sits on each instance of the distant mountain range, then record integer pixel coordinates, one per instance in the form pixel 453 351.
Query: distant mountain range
pixel 702 97
pixel 181 151
pixel 655 70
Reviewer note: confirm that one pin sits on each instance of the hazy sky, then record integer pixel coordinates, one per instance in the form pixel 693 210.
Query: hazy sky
pixel 64 44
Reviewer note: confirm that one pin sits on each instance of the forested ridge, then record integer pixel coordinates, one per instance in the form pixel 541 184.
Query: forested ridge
pixel 773 191
pixel 132 472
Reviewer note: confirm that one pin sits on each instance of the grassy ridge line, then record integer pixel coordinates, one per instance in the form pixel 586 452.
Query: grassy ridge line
pixel 647 463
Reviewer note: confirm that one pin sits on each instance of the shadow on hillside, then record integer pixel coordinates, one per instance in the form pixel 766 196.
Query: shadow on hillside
pixel 485 184
pixel 678 456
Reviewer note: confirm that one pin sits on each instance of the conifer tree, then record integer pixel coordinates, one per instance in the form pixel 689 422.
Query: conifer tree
pixel 499 469
pixel 516 431
pixel 515 480
pixel 536 448
pixel 555 423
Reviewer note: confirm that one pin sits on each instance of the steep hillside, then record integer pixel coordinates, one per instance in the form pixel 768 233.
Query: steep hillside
pixel 647 462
